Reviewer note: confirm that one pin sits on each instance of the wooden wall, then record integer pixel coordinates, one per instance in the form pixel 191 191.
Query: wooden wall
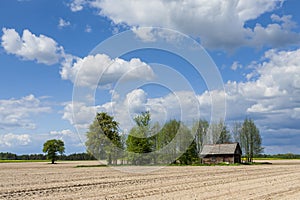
pixel 215 159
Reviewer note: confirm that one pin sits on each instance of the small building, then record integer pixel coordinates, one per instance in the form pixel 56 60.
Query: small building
pixel 221 153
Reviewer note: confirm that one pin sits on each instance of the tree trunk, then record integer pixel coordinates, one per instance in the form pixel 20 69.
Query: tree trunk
pixel 52 161
pixel 109 159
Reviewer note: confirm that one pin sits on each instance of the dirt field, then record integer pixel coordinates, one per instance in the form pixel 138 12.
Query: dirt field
pixel 281 180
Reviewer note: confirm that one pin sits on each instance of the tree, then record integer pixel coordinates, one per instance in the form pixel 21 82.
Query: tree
pixel 236 132
pixel 138 141
pixel 154 130
pixel 51 147
pixel 250 139
pixel 187 146
pixel 103 139
pixel 218 133
pixel 166 141
pixel 200 130
pixel 225 136
pixel 175 143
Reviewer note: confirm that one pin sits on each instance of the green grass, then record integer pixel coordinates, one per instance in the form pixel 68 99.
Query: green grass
pixel 22 161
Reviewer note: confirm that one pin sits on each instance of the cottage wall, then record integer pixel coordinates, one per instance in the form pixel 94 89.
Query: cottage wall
pixel 216 159
pixel 237 158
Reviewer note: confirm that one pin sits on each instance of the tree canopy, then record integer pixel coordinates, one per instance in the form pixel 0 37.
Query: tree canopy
pixel 139 142
pixel 172 142
pixel 103 138
pixel 52 147
pixel 247 134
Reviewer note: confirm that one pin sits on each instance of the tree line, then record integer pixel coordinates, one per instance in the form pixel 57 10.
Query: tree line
pixel 87 156
pixel 174 142
pixel 280 156
pixel 74 156
pixel 152 143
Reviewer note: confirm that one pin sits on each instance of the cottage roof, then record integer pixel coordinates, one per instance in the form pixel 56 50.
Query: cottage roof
pixel 217 149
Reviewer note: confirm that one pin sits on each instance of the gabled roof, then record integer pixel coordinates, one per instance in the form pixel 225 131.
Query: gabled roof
pixel 217 149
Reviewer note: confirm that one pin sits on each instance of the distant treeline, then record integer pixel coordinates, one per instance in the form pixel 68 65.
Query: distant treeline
pixel 74 156
pixel 86 156
pixel 280 156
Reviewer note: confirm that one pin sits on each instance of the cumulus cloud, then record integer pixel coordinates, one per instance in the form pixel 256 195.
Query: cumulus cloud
pixel 144 34
pixel 272 95
pixel 271 98
pixel 218 24
pixel 62 132
pixel 88 70
pixel 101 68
pixel 181 105
pixel 276 34
pixel 10 139
pixel 80 114
pixel 236 65
pixel 77 5
pixel 31 47
pixel 16 113
pixel 280 77
pixel 63 23
pixel 136 101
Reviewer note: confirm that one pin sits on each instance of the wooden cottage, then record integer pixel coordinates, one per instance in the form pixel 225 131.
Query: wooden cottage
pixel 221 153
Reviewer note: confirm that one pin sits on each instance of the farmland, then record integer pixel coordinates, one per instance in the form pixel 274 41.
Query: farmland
pixel 40 180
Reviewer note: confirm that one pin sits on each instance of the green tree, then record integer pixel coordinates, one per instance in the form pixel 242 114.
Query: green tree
pixel 224 136
pixel 139 142
pixel 103 139
pixel 166 141
pixel 154 136
pixel 52 147
pixel 250 140
pixel 187 146
pixel 176 144
pixel 200 130
pixel 236 132
pixel 218 133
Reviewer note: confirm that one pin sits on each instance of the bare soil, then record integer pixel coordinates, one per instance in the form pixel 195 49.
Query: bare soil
pixel 41 180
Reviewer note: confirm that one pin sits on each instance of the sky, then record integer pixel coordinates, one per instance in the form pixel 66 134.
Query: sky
pixel 63 61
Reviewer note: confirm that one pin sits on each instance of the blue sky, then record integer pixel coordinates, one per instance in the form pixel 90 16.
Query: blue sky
pixel 53 78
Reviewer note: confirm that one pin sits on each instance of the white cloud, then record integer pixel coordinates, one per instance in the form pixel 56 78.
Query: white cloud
pixel 31 47
pixel 100 67
pixel 286 21
pixel 10 139
pixel 136 100
pixel 182 105
pixel 219 24
pixel 87 70
pixel 88 29
pixel 16 113
pixel 275 34
pixel 144 33
pixel 77 5
pixel 148 34
pixel 236 65
pixel 79 114
pixel 62 132
pixel 272 97
pixel 63 23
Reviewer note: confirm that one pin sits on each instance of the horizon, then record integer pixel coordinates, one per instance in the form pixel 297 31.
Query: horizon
pixel 63 61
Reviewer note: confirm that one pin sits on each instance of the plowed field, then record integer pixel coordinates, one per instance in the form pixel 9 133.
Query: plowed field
pixel 281 180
